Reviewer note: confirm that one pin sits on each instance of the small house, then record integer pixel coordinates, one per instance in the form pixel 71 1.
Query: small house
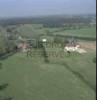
pixel 23 46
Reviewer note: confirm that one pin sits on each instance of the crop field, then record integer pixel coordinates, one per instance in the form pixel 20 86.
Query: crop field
pixel 63 77
pixel 84 32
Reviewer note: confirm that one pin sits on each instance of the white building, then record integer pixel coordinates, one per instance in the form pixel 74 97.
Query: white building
pixel 44 40
pixel 74 49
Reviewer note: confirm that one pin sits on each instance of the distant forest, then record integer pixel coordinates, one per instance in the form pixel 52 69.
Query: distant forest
pixel 50 21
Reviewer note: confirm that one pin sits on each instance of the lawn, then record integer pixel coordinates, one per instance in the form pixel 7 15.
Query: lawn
pixel 30 78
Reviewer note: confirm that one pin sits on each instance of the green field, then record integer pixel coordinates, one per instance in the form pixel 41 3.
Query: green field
pixel 31 30
pixel 84 32
pixel 30 78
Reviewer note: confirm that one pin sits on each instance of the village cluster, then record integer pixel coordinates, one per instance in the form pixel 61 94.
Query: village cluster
pixel 71 46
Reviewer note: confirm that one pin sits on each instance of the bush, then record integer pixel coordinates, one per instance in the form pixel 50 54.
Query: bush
pixel 94 60
pixel 0 65
pixel 58 39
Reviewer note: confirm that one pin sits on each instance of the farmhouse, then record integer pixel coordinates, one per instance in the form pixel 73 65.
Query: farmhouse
pixel 23 46
pixel 73 47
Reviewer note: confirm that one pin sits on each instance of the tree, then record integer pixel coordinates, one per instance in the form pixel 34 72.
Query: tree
pixel 0 65
pixel 47 32
pixel 8 30
pixel 2 45
pixel 57 39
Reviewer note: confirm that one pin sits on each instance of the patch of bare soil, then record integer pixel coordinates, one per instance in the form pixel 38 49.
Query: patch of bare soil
pixel 88 45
